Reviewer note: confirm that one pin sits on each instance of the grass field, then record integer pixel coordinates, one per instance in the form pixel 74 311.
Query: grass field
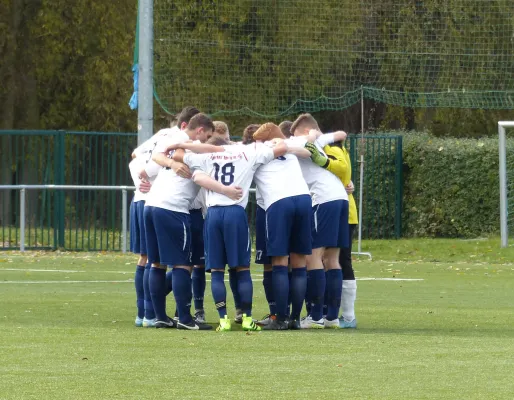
pixel 66 332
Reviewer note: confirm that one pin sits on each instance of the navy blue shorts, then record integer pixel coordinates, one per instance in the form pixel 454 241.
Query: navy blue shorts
pixel 289 226
pixel 168 236
pixel 330 225
pixel 226 238
pixel 197 246
pixel 261 256
pixel 137 227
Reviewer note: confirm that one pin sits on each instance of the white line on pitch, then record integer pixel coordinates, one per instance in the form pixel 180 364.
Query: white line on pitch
pixel 207 280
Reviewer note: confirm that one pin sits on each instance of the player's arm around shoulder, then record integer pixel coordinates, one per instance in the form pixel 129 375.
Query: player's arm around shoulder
pixel 202 179
pixel 337 161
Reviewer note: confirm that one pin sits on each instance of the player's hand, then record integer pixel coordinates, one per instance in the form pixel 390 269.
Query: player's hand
pixel 181 170
pixel 350 188
pixel 145 186
pixel 233 192
pixel 143 175
pixel 316 157
pixel 341 135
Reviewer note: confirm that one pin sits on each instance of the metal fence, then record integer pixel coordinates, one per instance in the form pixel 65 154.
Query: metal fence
pixel 91 219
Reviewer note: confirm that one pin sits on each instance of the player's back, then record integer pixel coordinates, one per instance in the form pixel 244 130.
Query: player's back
pixel 280 178
pixel 323 185
pixel 235 166
pixel 170 191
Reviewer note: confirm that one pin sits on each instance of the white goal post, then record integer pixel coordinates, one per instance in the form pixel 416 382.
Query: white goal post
pixel 504 231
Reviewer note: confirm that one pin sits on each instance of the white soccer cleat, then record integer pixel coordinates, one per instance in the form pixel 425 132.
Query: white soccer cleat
pixel 309 323
pixel 138 322
pixel 334 324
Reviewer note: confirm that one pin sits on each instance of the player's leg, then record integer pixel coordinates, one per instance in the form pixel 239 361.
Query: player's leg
pixel 176 252
pixel 347 318
pixel 198 260
pixel 301 247
pixel 216 261
pixel 157 272
pixel 236 237
pixel 279 223
pixel 140 266
pixel 334 272
pixel 262 259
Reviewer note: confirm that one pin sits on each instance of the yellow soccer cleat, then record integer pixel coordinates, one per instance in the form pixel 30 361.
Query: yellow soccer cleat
pixel 224 325
pixel 249 324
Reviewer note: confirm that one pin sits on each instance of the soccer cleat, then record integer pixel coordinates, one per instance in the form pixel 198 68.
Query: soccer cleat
pixel 224 325
pixel 347 325
pixel 238 319
pixel 139 322
pixel 334 324
pixel 249 324
pixel 200 316
pixel 194 326
pixel 165 324
pixel 148 323
pixel 309 323
pixel 275 325
pixel 265 320
pixel 294 325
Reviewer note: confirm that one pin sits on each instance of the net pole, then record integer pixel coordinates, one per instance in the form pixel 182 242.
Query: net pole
pixel 361 180
pixel 503 185
pixel 145 89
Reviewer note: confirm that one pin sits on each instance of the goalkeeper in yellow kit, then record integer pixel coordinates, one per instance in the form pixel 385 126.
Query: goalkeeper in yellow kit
pixel 338 162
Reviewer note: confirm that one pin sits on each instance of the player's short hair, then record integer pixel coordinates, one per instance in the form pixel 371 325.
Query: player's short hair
pixel 200 121
pixel 220 128
pixel 217 141
pixel 248 133
pixel 186 114
pixel 285 127
pixel 304 121
pixel 268 131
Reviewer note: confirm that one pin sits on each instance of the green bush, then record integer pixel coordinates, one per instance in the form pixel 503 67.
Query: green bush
pixel 451 186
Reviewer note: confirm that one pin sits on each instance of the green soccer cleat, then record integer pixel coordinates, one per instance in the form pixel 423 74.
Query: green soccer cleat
pixel 249 324
pixel 224 325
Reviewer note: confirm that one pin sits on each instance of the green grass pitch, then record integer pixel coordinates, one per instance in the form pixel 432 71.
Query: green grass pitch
pixel 66 332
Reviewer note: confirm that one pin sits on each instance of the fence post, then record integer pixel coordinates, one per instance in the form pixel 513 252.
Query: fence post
pixel 22 219
pixel 60 194
pixel 399 188
pixel 124 220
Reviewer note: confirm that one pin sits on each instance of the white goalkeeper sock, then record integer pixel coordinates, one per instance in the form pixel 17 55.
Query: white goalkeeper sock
pixel 348 300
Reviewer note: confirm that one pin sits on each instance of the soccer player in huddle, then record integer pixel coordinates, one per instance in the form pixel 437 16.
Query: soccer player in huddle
pixel 287 204
pixel 330 226
pixel 144 172
pixel 227 235
pixel 168 228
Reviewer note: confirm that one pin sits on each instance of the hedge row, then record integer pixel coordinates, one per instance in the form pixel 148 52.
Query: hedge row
pixel 451 186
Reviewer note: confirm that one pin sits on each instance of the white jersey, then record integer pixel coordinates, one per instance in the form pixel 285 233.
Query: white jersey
pixel 199 201
pixel 258 197
pixel 170 191
pixel 135 166
pixel 280 178
pixel 236 166
pixel 324 186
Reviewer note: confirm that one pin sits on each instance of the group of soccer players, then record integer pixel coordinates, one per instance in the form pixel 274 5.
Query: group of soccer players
pixel 189 214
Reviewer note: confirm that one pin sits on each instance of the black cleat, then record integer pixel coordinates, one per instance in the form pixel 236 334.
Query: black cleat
pixel 165 324
pixel 275 325
pixel 294 325
pixel 194 326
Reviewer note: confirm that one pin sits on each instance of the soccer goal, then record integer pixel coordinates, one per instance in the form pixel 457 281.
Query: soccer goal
pixel 506 181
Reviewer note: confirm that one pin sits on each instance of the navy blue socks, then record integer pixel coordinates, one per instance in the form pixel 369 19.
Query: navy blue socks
pixel 334 292
pixel 317 283
pixel 280 283
pixel 149 311
pixel 297 290
pixel 245 288
pixel 157 283
pixel 182 293
pixel 140 292
pixel 268 291
pixel 219 292
pixel 198 278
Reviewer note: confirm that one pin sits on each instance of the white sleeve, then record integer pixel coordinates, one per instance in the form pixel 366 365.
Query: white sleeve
pixel 296 142
pixel 327 138
pixel 134 168
pixel 198 161
pixel 264 155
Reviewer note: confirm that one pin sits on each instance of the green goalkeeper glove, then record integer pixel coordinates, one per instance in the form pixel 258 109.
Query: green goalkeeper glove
pixel 316 156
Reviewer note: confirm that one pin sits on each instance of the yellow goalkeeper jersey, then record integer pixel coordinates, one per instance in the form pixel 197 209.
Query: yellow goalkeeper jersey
pixel 340 165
